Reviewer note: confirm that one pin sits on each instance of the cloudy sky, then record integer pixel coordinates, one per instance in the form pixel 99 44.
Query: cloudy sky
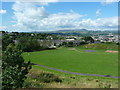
pixel 50 16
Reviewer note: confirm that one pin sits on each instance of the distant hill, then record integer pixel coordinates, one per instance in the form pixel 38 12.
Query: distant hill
pixel 82 30
pixel 79 32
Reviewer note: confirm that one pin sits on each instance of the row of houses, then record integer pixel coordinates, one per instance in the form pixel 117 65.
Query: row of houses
pixel 107 38
pixel 77 40
pixel 53 43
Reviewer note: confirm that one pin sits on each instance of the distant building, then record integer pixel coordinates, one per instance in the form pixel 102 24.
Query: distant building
pixel 52 47
pixel 107 38
pixel 70 39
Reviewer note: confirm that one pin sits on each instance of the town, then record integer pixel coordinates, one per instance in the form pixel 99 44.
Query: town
pixel 52 41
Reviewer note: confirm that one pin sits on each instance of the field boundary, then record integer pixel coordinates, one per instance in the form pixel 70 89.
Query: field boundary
pixel 84 74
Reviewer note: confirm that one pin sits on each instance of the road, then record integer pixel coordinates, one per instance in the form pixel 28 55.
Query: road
pixel 84 74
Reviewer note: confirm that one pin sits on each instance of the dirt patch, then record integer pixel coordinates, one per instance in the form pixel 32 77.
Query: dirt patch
pixel 111 51
pixel 72 49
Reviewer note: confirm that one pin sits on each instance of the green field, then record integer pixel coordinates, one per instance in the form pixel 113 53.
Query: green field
pixel 77 60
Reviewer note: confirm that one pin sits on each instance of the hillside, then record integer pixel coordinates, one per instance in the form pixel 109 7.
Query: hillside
pixel 79 32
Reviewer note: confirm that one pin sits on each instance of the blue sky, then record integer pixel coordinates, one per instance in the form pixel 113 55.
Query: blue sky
pixel 17 16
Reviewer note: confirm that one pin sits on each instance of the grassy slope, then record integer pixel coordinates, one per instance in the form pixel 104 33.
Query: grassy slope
pixel 33 81
pixel 84 62
pixel 104 46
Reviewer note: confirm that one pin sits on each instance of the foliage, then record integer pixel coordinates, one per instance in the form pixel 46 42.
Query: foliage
pixel 70 44
pixel 6 40
pixel 83 43
pixel 33 80
pixel 110 46
pixel 64 43
pixel 45 43
pixel 88 39
pixel 28 45
pixel 14 69
pixel 49 77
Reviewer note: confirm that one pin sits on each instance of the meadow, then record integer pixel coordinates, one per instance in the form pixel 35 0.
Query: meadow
pixel 76 59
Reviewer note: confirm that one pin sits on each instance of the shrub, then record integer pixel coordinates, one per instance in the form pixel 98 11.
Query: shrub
pixel 14 69
pixel 49 77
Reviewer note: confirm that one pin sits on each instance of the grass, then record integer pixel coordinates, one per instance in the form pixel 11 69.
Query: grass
pixel 68 81
pixel 103 46
pixel 73 59
pixel 78 60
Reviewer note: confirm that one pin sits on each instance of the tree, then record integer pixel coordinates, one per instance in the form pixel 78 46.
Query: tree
pixel 82 43
pixel 64 43
pixel 14 69
pixel 6 40
pixel 88 39
pixel 46 43
pixel 28 44
pixel 70 44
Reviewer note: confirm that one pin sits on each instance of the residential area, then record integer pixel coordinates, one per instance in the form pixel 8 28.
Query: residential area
pixel 51 42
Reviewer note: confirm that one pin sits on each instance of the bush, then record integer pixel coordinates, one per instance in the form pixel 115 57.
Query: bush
pixel 14 69
pixel 83 43
pixel 70 44
pixel 49 77
pixel 28 45
pixel 117 43
pixel 64 43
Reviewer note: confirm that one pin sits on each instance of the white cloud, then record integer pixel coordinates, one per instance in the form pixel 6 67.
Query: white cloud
pixel 39 2
pixel 45 2
pixel 101 23
pixel 109 1
pixel 30 17
pixel 2 11
pixel 2 28
pixel 98 13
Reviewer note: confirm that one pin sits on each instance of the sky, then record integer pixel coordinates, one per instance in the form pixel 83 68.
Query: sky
pixel 52 16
